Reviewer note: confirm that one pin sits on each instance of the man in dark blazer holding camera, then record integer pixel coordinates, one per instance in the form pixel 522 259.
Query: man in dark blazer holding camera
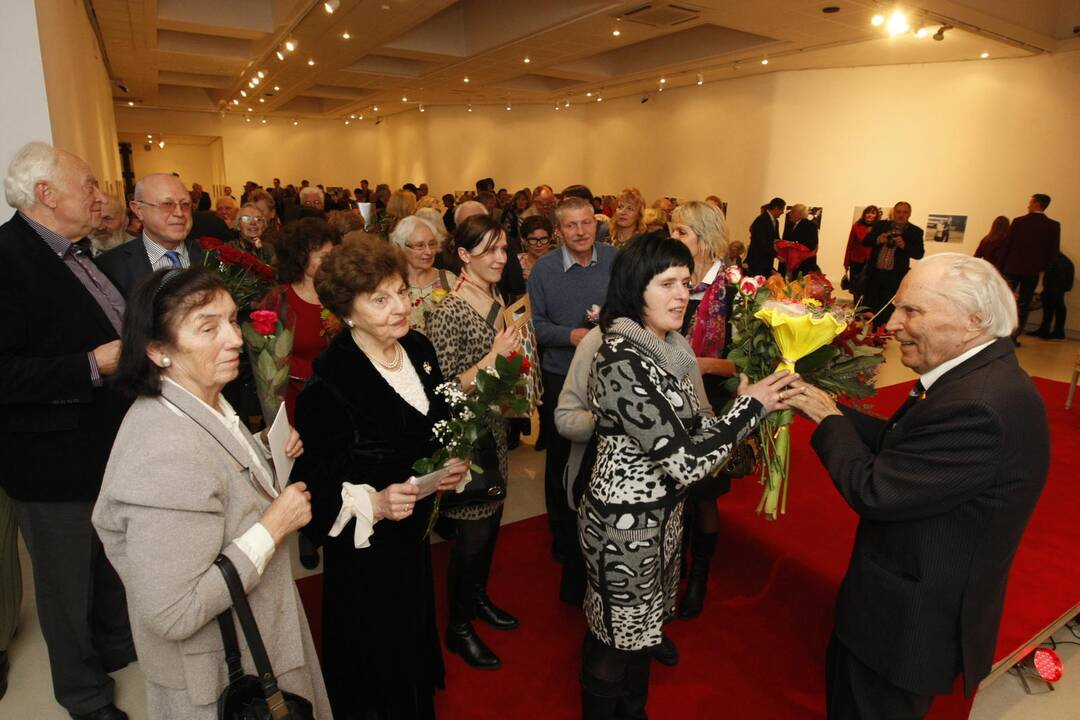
pixel 59 417
pixel 895 244
pixel 943 490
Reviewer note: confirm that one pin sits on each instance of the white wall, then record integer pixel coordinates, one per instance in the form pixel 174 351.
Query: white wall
pixel 24 87
pixel 975 138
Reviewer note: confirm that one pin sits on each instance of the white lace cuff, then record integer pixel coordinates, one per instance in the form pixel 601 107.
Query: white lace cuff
pixel 355 503
pixel 258 545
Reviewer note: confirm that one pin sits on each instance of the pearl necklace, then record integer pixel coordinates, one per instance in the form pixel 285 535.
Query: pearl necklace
pixel 391 366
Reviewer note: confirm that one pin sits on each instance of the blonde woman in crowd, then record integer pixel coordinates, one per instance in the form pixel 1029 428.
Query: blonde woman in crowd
pixel 627 221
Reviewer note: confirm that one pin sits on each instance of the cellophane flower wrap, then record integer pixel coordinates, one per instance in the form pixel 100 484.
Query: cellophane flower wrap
pixel 797 326
pixel 268 336
pixel 496 391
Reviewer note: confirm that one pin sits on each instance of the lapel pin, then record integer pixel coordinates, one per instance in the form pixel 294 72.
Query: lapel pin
pixel 427 367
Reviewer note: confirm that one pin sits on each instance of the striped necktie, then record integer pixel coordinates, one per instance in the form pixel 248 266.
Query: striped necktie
pixel 174 258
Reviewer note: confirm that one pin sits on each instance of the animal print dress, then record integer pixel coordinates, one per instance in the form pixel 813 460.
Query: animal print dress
pixel 653 443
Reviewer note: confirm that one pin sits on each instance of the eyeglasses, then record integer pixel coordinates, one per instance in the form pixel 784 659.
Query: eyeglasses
pixel 539 240
pixel 252 219
pixel 430 245
pixel 169 206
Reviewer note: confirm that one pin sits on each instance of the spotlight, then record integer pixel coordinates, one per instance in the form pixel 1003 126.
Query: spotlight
pixel 465 79
pixel 644 99
pixel 280 54
pixel 599 98
pixel 235 102
pixel 470 107
pixel 663 81
pixel 311 62
pixel 346 121
pixel 261 74
pixel 940 34
pixel 404 98
pixel 277 88
pixel 331 5
pixel 526 60
pixel 264 121
pixel 247 119
pixel 566 104
pixel 262 100
pixel 764 61
pixel 296 123
pixel 353 116
pixel 588 94
pixel 243 93
pixel 161 144
pixel 345 35
pixel 507 107
pixel 290 44
pixel 700 79
pixel 616 33
pixel 379 121
pixel 897 24
pixel 374 108
pixel 1043 664
pixel 556 106
pixel 660 89
pixel 131 103
pixel 922 32
pixel 250 109
pixel 421 108
pixel 877 20
pixel 985 55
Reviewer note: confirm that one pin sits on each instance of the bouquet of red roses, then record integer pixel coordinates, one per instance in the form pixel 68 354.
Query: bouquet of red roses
pixel 247 277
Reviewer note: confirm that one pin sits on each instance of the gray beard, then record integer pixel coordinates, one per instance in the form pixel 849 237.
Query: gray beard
pixel 103 243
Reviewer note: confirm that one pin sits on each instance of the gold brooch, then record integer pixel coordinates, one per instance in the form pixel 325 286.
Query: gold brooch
pixel 427 367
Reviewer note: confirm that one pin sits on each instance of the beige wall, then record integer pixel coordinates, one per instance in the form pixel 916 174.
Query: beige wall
pixel 196 160
pixel 975 138
pixel 78 88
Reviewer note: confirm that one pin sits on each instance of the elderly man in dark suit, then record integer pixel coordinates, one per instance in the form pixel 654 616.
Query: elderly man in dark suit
pixel 164 206
pixel 943 489
pixel 1031 246
pixel 764 231
pixel 59 416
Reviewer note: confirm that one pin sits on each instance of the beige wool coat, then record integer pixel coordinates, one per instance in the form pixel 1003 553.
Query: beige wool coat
pixel 178 490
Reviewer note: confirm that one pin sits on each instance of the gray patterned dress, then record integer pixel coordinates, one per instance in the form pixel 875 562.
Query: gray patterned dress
pixel 653 443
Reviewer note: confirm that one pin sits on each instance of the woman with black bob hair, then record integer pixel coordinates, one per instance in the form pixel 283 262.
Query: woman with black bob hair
pixel 653 443
pixel 186 482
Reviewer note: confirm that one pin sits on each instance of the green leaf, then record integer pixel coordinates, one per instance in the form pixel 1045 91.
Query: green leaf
pixel 502 365
pixel 483 381
pixel 283 344
pixel 817 359
pixel 252 337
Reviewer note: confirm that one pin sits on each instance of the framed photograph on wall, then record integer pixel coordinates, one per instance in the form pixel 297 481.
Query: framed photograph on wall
pixel 944 228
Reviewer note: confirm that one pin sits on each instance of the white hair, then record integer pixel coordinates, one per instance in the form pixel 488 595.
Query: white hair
pixel 405 228
pixel 33 163
pixel 435 218
pixel 309 190
pixel 978 290
pixel 468 209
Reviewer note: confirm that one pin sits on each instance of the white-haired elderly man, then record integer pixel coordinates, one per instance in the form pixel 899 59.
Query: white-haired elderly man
pixel 58 417
pixel 111 230
pixel 312 200
pixel 943 489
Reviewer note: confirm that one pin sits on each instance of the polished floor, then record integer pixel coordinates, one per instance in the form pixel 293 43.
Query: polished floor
pixel 29 696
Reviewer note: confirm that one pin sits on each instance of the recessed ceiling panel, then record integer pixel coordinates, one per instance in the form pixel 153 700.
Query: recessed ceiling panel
pixel 696 43
pixel 312 105
pixel 194 79
pixel 198 44
pixel 536 83
pixel 337 91
pixel 385 65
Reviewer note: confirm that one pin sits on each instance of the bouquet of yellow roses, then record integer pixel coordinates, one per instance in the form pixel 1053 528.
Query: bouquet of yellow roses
pixel 797 326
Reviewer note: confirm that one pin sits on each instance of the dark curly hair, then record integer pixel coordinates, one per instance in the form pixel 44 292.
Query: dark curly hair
pixel 357 267
pixel 295 244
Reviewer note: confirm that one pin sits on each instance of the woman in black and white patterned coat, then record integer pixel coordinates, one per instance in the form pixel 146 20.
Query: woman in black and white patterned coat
pixel 653 444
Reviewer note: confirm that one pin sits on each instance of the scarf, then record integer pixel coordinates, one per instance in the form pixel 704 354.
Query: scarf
pixel 674 359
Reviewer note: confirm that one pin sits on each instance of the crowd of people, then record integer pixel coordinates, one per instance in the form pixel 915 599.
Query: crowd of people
pixel 137 457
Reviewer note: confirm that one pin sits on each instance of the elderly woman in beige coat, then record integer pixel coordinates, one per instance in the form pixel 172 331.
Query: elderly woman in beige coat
pixel 186 482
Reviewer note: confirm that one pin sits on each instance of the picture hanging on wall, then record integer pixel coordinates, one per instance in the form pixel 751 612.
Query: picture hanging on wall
pixel 813 214
pixel 944 228
pixel 886 212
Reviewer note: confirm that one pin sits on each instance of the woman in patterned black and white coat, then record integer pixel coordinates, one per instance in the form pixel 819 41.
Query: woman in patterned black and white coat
pixel 653 444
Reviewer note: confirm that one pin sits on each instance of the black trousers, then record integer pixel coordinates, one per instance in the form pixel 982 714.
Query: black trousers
pixel 1024 285
pixel 853 691
pixel 1053 319
pixel 561 518
pixel 81 602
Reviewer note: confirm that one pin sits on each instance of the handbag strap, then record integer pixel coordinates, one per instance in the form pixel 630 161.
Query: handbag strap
pixel 232 648
pixel 275 701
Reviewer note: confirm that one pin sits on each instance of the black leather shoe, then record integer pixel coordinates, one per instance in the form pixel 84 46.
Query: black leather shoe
pixel 3 672
pixel 463 640
pixel 693 601
pixel 492 615
pixel 109 712
pixel 666 653
pixel 1040 333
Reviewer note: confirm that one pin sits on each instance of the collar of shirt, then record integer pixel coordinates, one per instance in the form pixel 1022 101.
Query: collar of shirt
pixel 698 291
pixel 568 260
pixel 56 242
pixel 155 252
pixel 932 376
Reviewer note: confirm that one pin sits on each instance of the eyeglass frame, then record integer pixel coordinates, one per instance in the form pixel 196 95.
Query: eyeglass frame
pixel 169 206
pixel 430 245
pixel 535 241
pixel 251 218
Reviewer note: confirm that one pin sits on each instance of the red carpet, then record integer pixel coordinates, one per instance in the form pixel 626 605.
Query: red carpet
pixel 758 649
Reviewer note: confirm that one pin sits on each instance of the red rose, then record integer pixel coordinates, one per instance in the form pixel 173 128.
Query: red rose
pixel 208 243
pixel 230 255
pixel 264 321
pixel 525 364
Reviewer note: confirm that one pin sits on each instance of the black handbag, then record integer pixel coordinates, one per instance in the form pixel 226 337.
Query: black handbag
pixel 485 486
pixel 247 697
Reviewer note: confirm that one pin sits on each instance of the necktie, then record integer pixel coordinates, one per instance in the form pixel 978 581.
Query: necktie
pixel 174 258
pixel 917 393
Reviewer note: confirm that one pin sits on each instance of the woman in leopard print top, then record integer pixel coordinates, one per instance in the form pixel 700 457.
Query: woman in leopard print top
pixel 653 444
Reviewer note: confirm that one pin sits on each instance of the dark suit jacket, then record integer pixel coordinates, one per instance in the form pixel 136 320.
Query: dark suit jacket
pixel 56 428
pixel 805 232
pixel 943 496
pixel 761 253
pixel 913 245
pixel 127 264
pixel 1031 245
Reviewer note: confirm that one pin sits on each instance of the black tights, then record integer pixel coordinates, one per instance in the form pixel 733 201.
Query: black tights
pixel 614 683
pixel 470 563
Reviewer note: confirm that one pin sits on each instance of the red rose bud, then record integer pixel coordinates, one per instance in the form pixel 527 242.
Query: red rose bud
pixel 264 321
pixel 526 366
pixel 209 243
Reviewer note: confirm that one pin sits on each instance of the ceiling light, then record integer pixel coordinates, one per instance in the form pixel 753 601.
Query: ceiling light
pixel 261 74
pixel 421 107
pixel 247 119
pixel 940 34
pixel 255 81
pixel 660 89
pixel 345 35
pixel 290 44
pixel 897 24
pixel 877 20
pixel 922 32
pixel 508 106
pixel 235 101
pixel 295 123
pixel 149 136
pixel 374 108
pixel 331 5
pixel 566 104
pixel 470 107
pixel 264 121
pixel 663 80
pixel 985 55
pixel 360 117
pixel 700 79
pixel 764 61
pixel 131 103
pixel 588 94
pixel 277 88
pixel 353 116
pixel 249 109
pixel 311 62
pixel 262 100
pixel 616 33
pixel 465 79
pixel 243 93
pixel 526 60
pixel 404 98
pixel 280 54
pixel 599 98
pixel 346 122
pixel 161 144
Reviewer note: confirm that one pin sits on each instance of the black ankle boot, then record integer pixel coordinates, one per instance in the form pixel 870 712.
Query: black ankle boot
pixel 635 690
pixel 694 600
pixel 463 640
pixel 490 613
pixel 598 698
pixel 666 653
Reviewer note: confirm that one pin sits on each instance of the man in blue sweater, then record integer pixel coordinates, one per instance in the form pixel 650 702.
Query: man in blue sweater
pixel 563 286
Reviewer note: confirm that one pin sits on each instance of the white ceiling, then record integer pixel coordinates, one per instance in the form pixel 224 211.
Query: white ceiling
pixel 200 54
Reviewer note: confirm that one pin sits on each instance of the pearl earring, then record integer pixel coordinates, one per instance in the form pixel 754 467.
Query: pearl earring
pixel 166 362
pixel 350 323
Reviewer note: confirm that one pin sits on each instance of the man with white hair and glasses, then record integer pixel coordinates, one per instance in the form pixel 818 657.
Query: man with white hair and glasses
pixel 943 489
pixel 59 416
